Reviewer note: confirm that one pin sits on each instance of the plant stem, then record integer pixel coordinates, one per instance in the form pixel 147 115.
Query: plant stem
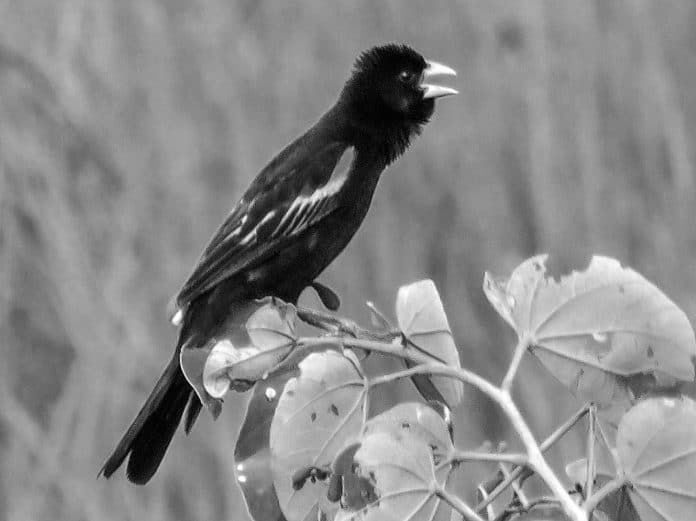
pixel 609 488
pixel 333 324
pixel 591 440
pixel 546 444
pixel 500 396
pixel 520 350
pixel 470 455
pixel 516 487
pixel 459 505
pixel 537 460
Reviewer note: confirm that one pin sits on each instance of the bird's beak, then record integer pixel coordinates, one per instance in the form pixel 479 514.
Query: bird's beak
pixel 436 91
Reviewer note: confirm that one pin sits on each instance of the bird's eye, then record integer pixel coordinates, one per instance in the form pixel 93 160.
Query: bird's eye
pixel 407 76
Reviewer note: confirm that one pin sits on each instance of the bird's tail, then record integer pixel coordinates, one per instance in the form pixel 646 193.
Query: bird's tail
pixel 148 437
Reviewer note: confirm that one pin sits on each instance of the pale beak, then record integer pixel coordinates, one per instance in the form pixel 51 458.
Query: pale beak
pixel 436 91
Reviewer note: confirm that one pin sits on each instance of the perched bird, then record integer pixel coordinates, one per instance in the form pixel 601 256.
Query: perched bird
pixel 294 219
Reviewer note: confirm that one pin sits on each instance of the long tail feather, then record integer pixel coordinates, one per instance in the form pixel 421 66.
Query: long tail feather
pixel 146 440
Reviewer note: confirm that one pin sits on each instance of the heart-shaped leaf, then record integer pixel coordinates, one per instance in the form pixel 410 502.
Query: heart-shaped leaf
pixel 270 337
pixel 656 445
pixel 319 412
pixel 395 474
pixel 420 421
pixel 598 330
pixel 422 319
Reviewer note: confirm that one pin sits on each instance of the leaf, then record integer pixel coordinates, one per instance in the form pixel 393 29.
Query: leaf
pixel 599 330
pixel 193 358
pixel 272 326
pixel 419 421
pixel 319 411
pixel 656 445
pixel 252 455
pixel 422 319
pixel 577 471
pixel 397 480
pixel 269 339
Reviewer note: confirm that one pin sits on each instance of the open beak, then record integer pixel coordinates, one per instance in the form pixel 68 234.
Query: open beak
pixel 436 91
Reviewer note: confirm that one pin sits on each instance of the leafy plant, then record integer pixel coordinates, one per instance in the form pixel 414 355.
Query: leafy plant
pixel 311 449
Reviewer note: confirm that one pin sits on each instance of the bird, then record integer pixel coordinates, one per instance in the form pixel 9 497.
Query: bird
pixel 296 216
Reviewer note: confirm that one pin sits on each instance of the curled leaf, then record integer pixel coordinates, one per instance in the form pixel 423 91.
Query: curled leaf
pixel 319 412
pixel 422 319
pixel 267 338
pixel 601 331
pixel 272 326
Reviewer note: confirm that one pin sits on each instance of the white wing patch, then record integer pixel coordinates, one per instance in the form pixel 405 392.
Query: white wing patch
pixel 251 236
pixel 237 229
pixel 305 208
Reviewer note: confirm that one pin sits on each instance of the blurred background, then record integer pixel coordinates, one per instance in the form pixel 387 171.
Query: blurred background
pixel 129 128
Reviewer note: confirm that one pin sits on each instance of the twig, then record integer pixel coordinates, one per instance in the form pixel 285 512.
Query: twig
pixel 609 488
pixel 483 491
pixel 537 460
pixel 520 350
pixel 459 505
pixel 516 487
pixel 376 313
pixel 591 440
pixel 501 397
pixel 470 455
pixel 536 504
pixel 545 445
pixel 338 325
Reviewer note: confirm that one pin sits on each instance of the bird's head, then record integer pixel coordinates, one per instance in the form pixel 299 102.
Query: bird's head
pixel 390 93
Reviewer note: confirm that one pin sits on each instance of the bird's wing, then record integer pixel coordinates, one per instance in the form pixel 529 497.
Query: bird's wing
pixel 290 195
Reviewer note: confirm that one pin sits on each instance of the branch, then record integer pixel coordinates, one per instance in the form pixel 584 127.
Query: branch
pixel 516 487
pixel 546 444
pixel 609 488
pixel 591 440
pixel 338 325
pixel 457 504
pixel 520 350
pixel 500 396
pixel 470 455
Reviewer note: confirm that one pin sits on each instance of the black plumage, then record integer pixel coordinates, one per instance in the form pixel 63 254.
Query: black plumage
pixel 294 219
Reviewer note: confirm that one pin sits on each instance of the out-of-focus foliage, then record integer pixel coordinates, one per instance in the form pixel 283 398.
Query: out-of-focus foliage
pixel 129 128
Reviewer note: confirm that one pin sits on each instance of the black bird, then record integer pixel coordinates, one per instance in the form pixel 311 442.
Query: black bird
pixel 295 218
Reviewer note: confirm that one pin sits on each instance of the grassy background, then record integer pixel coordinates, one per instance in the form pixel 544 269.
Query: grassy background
pixel 128 129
